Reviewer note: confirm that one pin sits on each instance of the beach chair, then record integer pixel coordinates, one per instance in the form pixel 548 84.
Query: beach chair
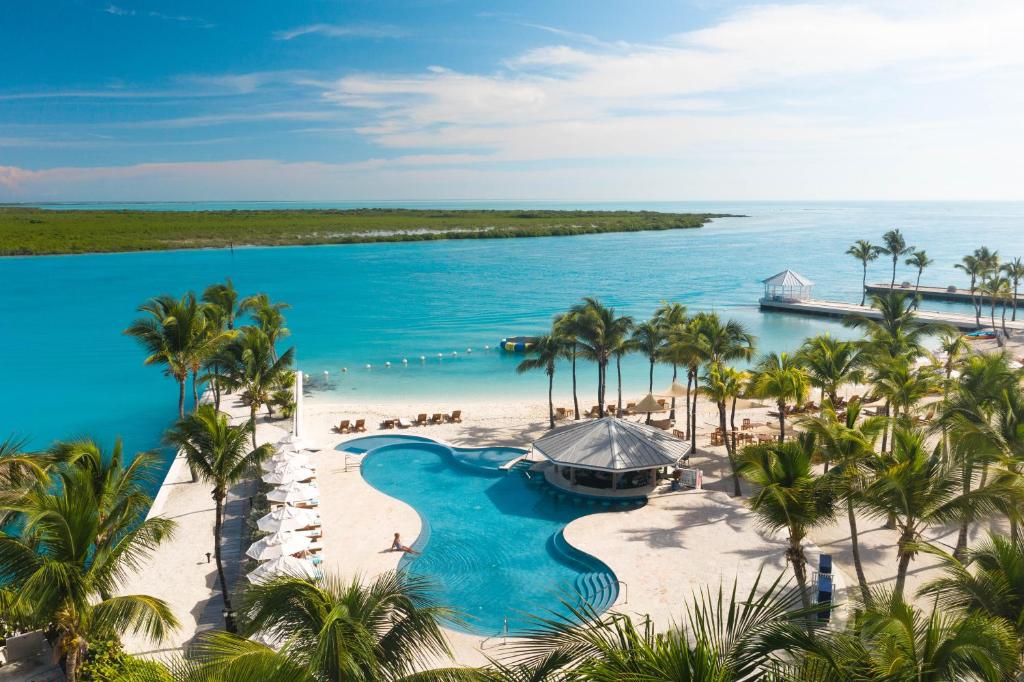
pixel 360 425
pixel 438 418
pixel 630 408
pixel 681 435
pixel 746 423
pixel 594 411
pixel 343 427
pixel 388 424
pixel 560 413
pixel 611 409
pixel 421 419
pixel 455 417
pixel 662 401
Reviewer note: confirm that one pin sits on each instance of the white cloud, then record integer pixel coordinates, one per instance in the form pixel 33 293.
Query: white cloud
pixel 340 31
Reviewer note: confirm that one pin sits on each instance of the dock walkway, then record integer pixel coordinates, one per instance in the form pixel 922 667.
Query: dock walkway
pixel 957 295
pixel 839 309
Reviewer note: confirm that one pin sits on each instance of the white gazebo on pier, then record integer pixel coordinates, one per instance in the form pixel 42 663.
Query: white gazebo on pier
pixel 787 286
pixel 608 457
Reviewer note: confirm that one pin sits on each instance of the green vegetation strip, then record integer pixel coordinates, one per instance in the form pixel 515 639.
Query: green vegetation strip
pixel 34 231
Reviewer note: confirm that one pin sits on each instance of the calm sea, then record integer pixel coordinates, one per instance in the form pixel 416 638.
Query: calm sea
pixel 68 370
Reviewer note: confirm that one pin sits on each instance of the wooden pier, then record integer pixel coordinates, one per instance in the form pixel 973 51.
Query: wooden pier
pixel 818 308
pixel 937 293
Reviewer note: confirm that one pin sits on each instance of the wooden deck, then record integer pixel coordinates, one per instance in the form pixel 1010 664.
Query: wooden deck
pixel 934 293
pixel 820 308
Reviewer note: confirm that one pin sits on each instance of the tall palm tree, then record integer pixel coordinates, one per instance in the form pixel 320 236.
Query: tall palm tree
pixel 789 496
pixel 919 260
pixel 649 339
pixel 722 384
pixel 599 332
pixel 975 269
pixel 780 376
pixel 623 346
pixel 1014 271
pixel 898 331
pixel 62 563
pixel 225 298
pixel 896 247
pixel 249 364
pixel 170 334
pixel 268 317
pixel 714 342
pixel 388 629
pixel 919 489
pixel 20 471
pixel 988 579
pixel 219 454
pixel 547 350
pixel 564 329
pixel 849 443
pixel 830 363
pixel 671 318
pixel 865 252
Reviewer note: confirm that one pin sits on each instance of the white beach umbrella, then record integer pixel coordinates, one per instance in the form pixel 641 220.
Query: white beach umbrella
pixel 293 492
pixel 287 518
pixel 284 565
pixel 281 543
pixel 276 461
pixel 289 472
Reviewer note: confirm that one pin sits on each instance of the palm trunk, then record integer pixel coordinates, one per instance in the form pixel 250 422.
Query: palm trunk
pixel 1014 318
pixel 885 428
pixel 1005 334
pixel 252 422
pixel 73 659
pixel 693 419
pixel 689 380
pixel 904 563
pixel 618 372
pixel 864 284
pixel 782 420
pixel 229 621
pixel 917 291
pixel 892 285
pixel 732 425
pixel 216 388
pixel 795 554
pixel 855 548
pixel 730 453
pixel 992 312
pixel 551 400
pixel 650 387
pixel 600 389
pixel 195 389
pixel 672 411
pixel 575 398
pixel 965 522
pixel 181 397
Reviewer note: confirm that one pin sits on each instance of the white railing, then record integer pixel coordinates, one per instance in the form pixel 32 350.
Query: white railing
pixel 503 635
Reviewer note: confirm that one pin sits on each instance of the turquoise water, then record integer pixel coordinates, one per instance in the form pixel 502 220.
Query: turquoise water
pixel 68 370
pixel 491 542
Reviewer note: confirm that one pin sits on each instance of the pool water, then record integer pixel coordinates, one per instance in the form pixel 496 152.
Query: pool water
pixel 491 541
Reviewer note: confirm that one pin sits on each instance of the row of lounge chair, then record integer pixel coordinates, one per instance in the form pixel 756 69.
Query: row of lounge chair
pixel 351 426
pixel 423 420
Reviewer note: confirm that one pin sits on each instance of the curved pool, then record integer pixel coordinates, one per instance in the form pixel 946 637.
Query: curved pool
pixel 491 541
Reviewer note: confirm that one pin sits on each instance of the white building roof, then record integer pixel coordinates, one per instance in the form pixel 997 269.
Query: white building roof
pixel 788 278
pixel 611 444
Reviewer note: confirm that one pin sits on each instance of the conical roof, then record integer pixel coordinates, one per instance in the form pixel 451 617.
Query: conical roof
pixel 611 444
pixel 788 278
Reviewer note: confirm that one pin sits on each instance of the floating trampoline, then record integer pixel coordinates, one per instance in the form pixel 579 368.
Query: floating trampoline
pixel 518 344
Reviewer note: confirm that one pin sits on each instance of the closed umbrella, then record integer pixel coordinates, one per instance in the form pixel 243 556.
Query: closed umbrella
pixel 287 518
pixel 284 565
pixel 650 404
pixel 281 543
pixel 289 472
pixel 286 458
pixel 293 492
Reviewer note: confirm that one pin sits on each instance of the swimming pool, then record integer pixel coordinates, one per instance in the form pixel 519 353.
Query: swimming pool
pixel 491 542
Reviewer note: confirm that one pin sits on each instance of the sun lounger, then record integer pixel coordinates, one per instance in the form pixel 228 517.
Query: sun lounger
pixel 438 418
pixel 455 417
pixel 360 425
pixel 388 424
pixel 343 427
pixel 594 411
pixel 560 413
pixel 746 424
pixel 681 435
pixel 661 401
pixel 421 419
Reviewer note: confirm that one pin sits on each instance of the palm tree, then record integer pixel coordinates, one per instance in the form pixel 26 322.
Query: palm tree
pixel 331 629
pixel 889 639
pixel 896 247
pixel 714 342
pixel 547 350
pixel 225 298
pixel 219 454
pixel 623 346
pixel 975 269
pixel 849 443
pixel 599 332
pixel 830 363
pixel 249 364
pixel 919 260
pixel 170 335
pixel 994 587
pixel 995 289
pixel 63 559
pixel 789 496
pixel 780 376
pixel 649 338
pixel 899 331
pixel 723 384
pixel 865 252
pixel 671 317
pixel 564 328
pixel 268 317
pixel 20 471
pixel 1014 271
pixel 919 489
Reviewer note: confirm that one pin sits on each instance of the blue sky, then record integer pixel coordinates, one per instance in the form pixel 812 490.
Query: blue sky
pixel 672 100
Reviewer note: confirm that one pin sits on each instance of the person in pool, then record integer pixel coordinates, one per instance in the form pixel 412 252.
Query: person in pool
pixel 397 546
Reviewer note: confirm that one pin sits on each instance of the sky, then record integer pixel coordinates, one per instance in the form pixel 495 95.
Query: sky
pixel 588 100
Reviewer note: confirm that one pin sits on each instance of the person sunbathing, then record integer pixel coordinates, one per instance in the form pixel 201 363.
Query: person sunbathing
pixel 397 546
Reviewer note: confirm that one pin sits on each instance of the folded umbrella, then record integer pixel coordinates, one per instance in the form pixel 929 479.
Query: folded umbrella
pixel 293 492
pixel 287 518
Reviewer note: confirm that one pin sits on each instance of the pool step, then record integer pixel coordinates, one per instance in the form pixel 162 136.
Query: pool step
pixel 594 585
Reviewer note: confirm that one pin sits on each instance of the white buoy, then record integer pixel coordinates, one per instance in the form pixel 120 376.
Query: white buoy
pixel 405 361
pixel 344 369
pixel 423 358
pixel 454 354
pixel 469 350
pixel 440 355
pixel 487 347
pixel 387 364
pixel 326 373
pixel 368 366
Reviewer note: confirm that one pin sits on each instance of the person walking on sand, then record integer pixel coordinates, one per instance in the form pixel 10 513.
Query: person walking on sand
pixel 397 546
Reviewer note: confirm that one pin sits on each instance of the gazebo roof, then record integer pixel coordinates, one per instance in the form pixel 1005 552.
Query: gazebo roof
pixel 788 278
pixel 611 444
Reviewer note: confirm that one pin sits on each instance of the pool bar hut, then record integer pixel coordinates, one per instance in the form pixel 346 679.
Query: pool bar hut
pixel 608 457
pixel 787 286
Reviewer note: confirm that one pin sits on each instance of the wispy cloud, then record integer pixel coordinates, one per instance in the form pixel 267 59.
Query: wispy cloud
pixel 234 117
pixel 119 11
pixel 341 31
